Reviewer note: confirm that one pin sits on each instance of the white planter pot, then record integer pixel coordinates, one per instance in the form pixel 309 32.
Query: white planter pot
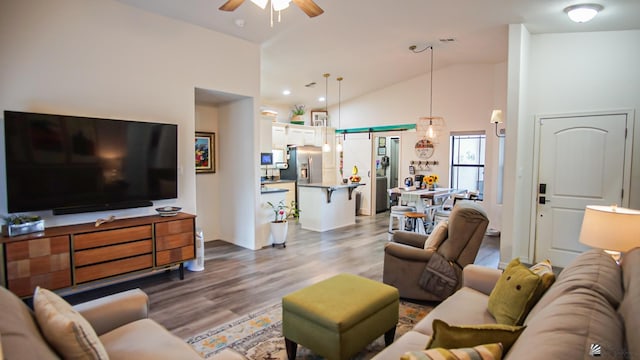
pixel 279 232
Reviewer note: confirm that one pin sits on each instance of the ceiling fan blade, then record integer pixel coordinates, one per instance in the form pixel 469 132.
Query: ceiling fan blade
pixel 231 5
pixel 309 7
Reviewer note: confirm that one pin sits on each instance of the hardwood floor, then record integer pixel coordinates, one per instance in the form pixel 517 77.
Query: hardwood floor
pixel 237 281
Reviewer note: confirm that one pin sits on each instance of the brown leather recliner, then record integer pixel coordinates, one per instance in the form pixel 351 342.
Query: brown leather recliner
pixel 405 257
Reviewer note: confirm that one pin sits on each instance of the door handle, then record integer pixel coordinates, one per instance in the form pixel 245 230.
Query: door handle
pixel 543 200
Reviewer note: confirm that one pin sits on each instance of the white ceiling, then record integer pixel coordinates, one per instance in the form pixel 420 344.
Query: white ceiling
pixel 367 41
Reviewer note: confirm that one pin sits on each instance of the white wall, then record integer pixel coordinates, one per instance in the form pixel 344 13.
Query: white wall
pixel 560 74
pixel 208 184
pixel 464 95
pixel 102 58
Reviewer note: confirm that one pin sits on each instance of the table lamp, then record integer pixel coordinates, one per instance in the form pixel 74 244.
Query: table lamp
pixel 611 228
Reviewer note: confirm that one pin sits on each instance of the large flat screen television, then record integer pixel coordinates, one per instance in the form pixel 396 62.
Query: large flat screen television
pixel 72 164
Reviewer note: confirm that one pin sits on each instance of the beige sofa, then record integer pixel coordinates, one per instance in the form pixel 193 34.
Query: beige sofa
pixel 593 301
pixel 120 320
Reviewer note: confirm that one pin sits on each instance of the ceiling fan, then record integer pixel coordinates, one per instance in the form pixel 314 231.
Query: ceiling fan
pixel 308 6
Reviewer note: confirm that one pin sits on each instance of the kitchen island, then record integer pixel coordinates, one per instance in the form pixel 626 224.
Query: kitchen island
pixel 325 207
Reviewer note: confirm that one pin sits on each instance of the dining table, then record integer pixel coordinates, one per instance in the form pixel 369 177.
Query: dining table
pixel 426 201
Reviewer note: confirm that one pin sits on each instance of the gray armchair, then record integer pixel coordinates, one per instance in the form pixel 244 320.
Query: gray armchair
pixel 405 257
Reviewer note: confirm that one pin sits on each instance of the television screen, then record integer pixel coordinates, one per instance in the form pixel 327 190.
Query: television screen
pixel 266 159
pixel 77 164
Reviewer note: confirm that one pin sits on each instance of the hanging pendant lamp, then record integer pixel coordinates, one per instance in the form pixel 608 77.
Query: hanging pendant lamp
pixel 326 147
pixel 433 121
pixel 338 143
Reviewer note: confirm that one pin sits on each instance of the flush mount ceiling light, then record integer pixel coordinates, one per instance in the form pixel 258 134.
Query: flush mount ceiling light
pixel 581 13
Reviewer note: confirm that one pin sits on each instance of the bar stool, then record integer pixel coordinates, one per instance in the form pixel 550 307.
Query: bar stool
pixel 398 212
pixel 416 219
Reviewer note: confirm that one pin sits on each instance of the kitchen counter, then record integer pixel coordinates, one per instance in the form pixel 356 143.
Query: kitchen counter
pixel 331 188
pixel 325 206
pixel 268 190
pixel 279 181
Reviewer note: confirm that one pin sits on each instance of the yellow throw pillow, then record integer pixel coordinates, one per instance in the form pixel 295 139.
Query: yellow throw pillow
pixel 437 236
pixel 480 352
pixel 452 336
pixel 65 329
pixel 517 291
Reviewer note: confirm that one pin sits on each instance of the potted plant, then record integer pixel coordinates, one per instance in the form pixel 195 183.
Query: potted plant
pixel 23 224
pixel 296 114
pixel 279 226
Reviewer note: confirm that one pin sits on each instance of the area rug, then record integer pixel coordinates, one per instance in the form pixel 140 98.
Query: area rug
pixel 258 336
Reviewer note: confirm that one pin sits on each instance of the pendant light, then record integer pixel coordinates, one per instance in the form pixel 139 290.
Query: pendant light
pixel 431 132
pixel 338 143
pixel 326 147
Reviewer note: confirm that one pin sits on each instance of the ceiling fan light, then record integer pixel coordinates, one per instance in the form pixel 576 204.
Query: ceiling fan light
pixel 261 3
pixel 583 12
pixel 279 5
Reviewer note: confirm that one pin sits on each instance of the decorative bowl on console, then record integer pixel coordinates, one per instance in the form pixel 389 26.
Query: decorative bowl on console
pixel 168 210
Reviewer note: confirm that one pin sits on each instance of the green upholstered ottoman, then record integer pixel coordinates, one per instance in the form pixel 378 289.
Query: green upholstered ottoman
pixel 338 317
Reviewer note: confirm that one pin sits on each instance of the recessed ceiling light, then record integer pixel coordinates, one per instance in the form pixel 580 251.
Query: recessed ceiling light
pixel 286 92
pixel 321 99
pixel 581 13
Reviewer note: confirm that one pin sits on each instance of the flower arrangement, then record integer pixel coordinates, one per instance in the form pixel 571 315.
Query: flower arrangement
pixel 283 212
pixel 431 180
pixel 297 110
pixel 21 219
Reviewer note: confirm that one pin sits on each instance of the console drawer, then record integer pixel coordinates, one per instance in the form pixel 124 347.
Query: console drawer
pixel 113 252
pixel 110 237
pixel 111 268
pixel 175 255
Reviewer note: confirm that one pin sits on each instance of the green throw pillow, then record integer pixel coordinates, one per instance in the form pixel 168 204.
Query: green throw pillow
pixel 484 352
pixel 517 291
pixel 450 336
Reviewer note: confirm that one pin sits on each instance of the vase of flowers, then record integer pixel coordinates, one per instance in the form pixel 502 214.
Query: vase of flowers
pixel 297 114
pixel 431 181
pixel 280 226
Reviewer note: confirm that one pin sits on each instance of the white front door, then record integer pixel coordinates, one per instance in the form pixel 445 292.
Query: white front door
pixel 581 162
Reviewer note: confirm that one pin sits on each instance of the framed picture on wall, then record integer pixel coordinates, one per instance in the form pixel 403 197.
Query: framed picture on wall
pixel 382 142
pixel 318 118
pixel 382 151
pixel 205 152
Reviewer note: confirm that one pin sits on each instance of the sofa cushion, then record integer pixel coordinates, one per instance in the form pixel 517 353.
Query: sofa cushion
pixel 465 306
pixel 65 329
pixel 484 352
pixel 517 291
pixel 593 269
pixel 451 336
pixel 21 338
pixel 145 339
pixel 410 341
pixel 437 236
pixel 629 309
pixel 569 326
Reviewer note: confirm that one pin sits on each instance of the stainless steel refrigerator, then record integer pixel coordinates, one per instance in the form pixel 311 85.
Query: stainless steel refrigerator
pixel 304 165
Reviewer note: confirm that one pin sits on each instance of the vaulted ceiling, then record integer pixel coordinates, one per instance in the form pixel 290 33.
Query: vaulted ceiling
pixel 367 41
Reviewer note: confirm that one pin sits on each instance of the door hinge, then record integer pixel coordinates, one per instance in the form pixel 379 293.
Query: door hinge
pixel 622 194
pixel 625 132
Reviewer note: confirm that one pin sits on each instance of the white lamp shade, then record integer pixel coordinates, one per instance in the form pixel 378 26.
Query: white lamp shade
pixel 610 228
pixel 261 3
pixel 280 4
pixel 496 117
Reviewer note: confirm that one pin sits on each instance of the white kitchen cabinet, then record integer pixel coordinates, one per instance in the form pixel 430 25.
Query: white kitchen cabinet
pixel 279 136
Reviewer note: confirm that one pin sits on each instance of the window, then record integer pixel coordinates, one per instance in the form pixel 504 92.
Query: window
pixel 467 161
